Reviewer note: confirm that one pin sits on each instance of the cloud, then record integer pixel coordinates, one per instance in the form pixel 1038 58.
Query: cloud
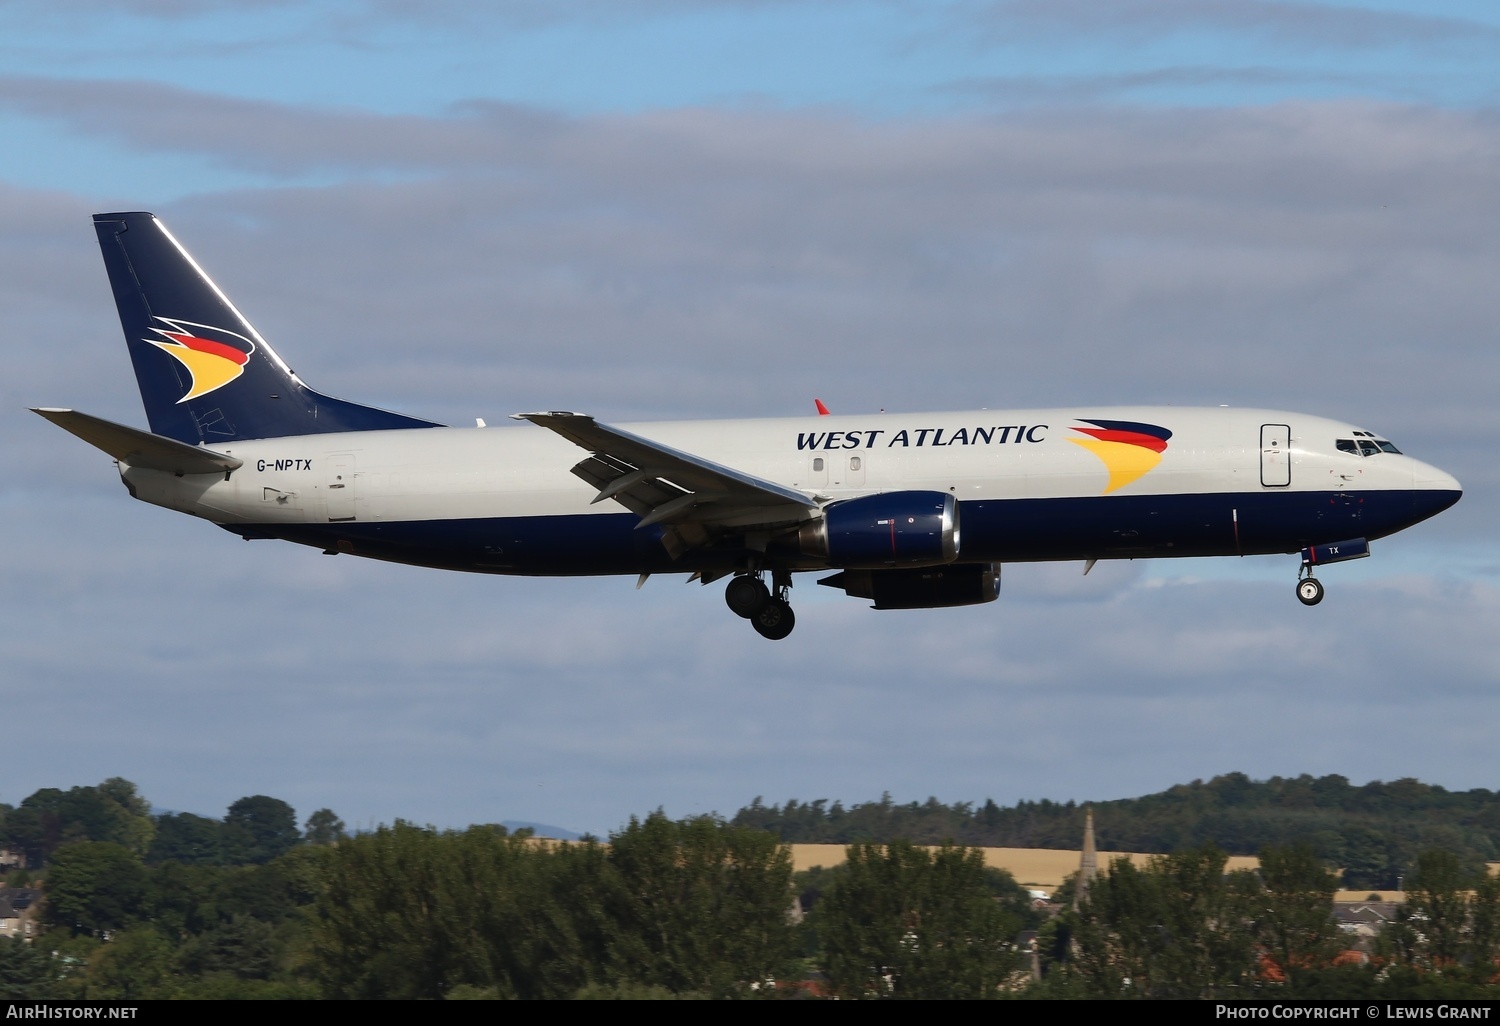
pixel 1295 24
pixel 453 14
pixel 204 667
pixel 1329 257
pixel 1185 84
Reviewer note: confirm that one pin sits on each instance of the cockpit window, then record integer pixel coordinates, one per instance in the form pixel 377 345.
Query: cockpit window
pixel 1364 443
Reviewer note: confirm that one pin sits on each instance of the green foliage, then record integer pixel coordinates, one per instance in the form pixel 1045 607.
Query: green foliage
pixel 1447 935
pixel 1174 929
pixel 635 992
pixel 27 971
pixel 906 922
pixel 417 913
pixel 95 886
pixel 1373 831
pixel 112 812
pixel 257 829
pixel 188 839
pixel 698 905
pixel 244 947
pixel 135 964
pixel 324 827
pixel 1292 911
pixel 409 912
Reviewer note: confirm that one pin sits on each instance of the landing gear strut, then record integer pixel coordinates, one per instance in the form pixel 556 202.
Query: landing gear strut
pixel 769 613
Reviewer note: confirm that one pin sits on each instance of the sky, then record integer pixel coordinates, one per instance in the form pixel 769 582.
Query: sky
pixel 668 209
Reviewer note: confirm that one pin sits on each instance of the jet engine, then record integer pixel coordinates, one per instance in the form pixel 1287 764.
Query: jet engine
pixel 892 529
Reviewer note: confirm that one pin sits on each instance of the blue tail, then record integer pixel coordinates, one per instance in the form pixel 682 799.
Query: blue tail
pixel 205 374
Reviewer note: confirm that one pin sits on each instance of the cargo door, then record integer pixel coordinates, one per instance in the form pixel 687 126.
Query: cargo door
pixel 341 487
pixel 1275 455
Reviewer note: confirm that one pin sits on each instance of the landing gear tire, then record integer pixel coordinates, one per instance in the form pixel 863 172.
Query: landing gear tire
pixel 746 596
pixel 1309 591
pixel 774 620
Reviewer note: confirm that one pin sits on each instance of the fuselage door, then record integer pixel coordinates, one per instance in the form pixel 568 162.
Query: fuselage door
pixel 341 487
pixel 1275 455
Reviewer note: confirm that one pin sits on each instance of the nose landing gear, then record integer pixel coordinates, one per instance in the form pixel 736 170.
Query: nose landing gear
pixel 1309 591
pixel 1309 588
pixel 770 614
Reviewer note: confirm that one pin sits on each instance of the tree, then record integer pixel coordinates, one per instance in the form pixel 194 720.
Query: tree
pixel 698 906
pixel 49 818
pixel 95 886
pixel 398 910
pixel 1485 920
pixel 1293 913
pixel 27 971
pixel 1431 932
pixel 136 964
pixel 903 921
pixel 188 839
pixel 259 828
pixel 324 827
pixel 1174 929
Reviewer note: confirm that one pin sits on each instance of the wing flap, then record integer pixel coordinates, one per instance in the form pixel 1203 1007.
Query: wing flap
pixel 663 485
pixel 136 448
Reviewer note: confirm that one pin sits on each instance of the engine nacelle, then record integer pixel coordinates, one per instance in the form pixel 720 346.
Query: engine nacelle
pixel 887 530
pixel 960 584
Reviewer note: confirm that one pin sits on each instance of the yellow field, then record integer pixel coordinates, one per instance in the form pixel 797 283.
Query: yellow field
pixel 1037 868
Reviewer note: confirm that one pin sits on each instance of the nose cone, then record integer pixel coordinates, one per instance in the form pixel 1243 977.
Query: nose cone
pixel 1433 490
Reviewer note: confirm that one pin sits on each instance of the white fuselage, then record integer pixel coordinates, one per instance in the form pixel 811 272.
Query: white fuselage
pixel 1229 480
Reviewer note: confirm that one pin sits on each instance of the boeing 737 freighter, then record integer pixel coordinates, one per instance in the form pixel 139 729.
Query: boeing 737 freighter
pixel 908 510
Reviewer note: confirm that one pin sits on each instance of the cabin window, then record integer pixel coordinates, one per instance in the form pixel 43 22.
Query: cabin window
pixel 854 463
pixel 817 463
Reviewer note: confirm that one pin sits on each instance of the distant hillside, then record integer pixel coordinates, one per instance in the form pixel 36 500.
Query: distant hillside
pixel 557 833
pixel 1373 831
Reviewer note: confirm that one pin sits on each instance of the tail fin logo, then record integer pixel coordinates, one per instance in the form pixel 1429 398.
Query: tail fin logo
pixel 213 356
pixel 1129 450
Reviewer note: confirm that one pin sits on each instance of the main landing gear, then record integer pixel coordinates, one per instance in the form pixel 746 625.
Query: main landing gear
pixel 770 614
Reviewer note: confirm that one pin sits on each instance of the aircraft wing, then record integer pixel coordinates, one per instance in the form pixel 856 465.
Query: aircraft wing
pixel 692 496
pixel 137 448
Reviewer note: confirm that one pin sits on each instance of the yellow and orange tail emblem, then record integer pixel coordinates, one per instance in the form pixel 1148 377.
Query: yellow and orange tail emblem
pixel 211 363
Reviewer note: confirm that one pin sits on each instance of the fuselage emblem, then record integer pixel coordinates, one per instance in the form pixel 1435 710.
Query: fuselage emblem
pixel 1129 450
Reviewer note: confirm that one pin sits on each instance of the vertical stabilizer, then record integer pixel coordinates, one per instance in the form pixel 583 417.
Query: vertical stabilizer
pixel 205 374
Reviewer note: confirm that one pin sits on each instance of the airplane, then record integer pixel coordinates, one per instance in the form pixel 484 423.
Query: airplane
pixel 912 510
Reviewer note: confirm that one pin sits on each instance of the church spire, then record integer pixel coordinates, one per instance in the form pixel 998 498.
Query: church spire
pixel 1088 860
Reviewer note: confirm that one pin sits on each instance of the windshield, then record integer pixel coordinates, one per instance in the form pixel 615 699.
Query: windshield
pixel 1365 444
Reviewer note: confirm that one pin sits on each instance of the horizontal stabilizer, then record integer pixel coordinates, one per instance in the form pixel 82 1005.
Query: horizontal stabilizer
pixel 137 448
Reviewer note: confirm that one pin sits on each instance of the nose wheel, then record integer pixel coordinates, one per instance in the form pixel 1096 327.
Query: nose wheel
pixel 1309 591
pixel 770 614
